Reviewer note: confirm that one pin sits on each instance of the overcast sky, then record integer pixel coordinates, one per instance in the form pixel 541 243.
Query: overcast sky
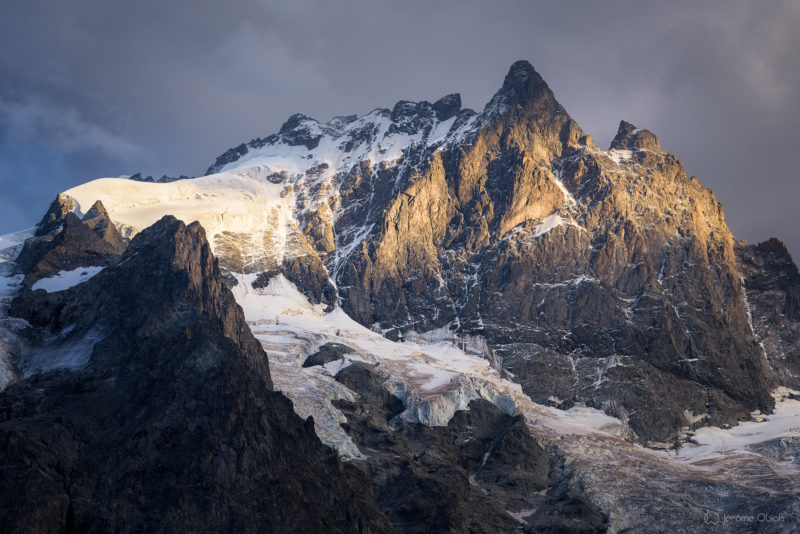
pixel 100 88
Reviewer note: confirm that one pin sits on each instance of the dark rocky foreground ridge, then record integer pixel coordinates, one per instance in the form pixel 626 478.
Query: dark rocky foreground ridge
pixel 173 425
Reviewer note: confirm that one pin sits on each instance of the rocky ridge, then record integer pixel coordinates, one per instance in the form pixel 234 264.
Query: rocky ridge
pixel 611 272
pixel 170 423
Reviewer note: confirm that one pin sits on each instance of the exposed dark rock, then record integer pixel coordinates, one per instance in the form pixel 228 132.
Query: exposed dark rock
pixel 277 177
pixel 329 352
pixel 230 280
pixel 361 378
pixel 96 212
pixel 98 220
pixel 294 122
pixel 54 218
pixel 172 426
pixel 262 280
pixel 309 275
pixel 411 117
pixel 630 137
pixel 464 477
pixel 76 245
pixel 229 156
pixel 447 107
pixel 566 510
pixel 296 131
pixel 163 180
pixel 768 266
pixel 393 334
pixel 772 281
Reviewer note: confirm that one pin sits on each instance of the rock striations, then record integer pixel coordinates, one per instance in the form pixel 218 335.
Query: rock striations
pixel 172 424
pixel 601 277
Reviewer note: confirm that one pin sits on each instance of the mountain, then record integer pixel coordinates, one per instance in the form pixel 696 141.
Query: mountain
pixel 612 272
pixel 168 421
pixel 493 323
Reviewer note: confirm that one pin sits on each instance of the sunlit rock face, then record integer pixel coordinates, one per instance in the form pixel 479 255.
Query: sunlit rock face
pixel 605 277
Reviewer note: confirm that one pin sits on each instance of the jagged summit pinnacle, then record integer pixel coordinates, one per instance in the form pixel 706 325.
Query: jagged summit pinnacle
pixel 630 137
pixel 294 121
pixel 523 79
pixel 523 91
pixel 519 73
pixel 523 87
pixel 97 210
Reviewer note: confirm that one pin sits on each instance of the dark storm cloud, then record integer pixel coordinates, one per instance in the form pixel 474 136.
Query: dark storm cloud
pixel 96 88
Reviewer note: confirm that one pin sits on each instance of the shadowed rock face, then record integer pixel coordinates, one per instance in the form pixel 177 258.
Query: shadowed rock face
pixel 53 219
pixel 772 281
pixel 463 477
pixel 98 220
pixel 76 244
pixel 172 426
pixel 329 352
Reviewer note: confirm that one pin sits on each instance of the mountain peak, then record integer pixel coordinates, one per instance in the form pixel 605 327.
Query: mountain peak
pixel 520 72
pixel 294 121
pixel 630 137
pixel 448 106
pixel 97 210
pixel 523 87
pixel 300 129
pixel 522 78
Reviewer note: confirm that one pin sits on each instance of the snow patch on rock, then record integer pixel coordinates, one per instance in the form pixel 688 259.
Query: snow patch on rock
pixel 64 280
pixel 710 442
pixel 619 155
pixel 239 211
pixel 431 375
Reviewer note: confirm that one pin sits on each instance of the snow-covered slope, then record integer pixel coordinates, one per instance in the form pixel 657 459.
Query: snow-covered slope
pixel 225 202
pixel 247 219
pixel 434 378
pixel 262 203
pixel 768 435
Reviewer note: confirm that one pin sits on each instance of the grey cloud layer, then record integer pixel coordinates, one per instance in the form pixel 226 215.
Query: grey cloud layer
pixel 97 88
